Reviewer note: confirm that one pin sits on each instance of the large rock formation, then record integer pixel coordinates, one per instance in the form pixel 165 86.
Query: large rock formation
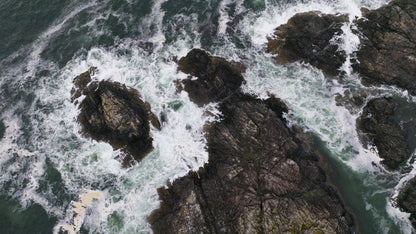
pixel 216 80
pixel 260 178
pixel 407 200
pixel 388 45
pixel 114 113
pixel 387 54
pixel 307 37
pixel 376 126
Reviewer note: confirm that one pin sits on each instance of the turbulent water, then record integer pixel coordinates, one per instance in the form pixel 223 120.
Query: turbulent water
pixel 47 166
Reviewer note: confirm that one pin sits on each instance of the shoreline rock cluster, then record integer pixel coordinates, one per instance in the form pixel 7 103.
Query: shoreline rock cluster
pixel 260 177
pixel 263 176
pixel 387 55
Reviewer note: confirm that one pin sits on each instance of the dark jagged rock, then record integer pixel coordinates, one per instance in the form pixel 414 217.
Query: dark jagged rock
pixel 2 129
pixel 407 200
pixel 260 178
pixel 116 114
pixel 388 45
pixel 216 80
pixel 307 37
pixel 376 126
pixel 353 101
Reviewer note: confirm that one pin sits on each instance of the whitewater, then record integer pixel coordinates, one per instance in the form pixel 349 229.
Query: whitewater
pixel 47 167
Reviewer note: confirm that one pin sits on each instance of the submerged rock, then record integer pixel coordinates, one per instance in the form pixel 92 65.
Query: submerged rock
pixel 377 127
pixel 260 178
pixel 407 200
pixel 307 37
pixel 353 101
pixel 388 45
pixel 116 114
pixel 216 80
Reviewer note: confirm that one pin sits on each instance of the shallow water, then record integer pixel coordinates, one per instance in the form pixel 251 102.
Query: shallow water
pixel 46 164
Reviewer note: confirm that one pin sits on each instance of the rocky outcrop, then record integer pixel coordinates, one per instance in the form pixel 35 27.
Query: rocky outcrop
pixel 407 200
pixel 216 78
pixel 307 37
pixel 388 45
pixel 111 112
pixel 387 54
pixel 376 126
pixel 260 178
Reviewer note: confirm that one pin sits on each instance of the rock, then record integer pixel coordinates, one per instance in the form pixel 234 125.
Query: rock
pixel 2 129
pixel 353 101
pixel 216 80
pixel 388 45
pixel 407 200
pixel 307 37
pixel 260 178
pixel 116 114
pixel 376 126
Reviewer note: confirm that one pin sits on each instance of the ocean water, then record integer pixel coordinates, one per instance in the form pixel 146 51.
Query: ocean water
pixel 47 167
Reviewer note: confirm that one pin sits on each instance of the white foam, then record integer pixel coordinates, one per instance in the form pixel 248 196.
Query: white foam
pixel 155 19
pixel 348 42
pixel 224 17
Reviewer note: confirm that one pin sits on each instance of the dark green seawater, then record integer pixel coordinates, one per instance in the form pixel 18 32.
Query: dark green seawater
pixel 46 165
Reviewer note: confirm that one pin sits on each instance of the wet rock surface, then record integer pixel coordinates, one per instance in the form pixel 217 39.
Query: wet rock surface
pixel 388 45
pixel 111 112
pixel 216 78
pixel 307 37
pixel 407 200
pixel 353 101
pixel 2 129
pixel 376 126
pixel 260 178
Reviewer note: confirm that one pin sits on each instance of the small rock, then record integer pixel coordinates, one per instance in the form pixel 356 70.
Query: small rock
pixel 116 114
pixel 216 80
pixel 352 101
